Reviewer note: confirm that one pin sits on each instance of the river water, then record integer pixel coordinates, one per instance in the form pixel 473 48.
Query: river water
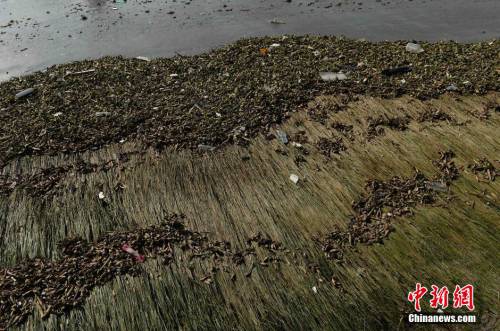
pixel 35 34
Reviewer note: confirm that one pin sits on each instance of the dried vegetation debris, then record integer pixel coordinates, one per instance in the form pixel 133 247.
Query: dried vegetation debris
pixel 329 146
pixel 54 287
pixel 47 181
pixel 484 169
pixel 186 101
pixel 384 200
pixel 435 115
pixel 377 124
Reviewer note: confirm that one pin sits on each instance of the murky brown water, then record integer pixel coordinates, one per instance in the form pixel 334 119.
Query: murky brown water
pixel 50 32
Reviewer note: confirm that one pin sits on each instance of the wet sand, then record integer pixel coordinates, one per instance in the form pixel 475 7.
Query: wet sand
pixel 43 34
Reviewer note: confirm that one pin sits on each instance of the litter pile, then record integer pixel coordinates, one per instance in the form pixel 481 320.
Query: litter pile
pixel 54 287
pixel 384 201
pixel 186 102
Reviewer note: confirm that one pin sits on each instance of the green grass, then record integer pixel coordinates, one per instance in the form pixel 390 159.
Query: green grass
pixel 231 199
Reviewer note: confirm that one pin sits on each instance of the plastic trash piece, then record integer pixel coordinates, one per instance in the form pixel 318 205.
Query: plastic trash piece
pixel 332 76
pixel 207 148
pixel 69 73
pixel 452 87
pixel 396 71
pixel 294 178
pixel 138 257
pixel 438 186
pixel 102 113
pixel 277 21
pixel 414 48
pixel 143 58
pixel 57 114
pixel 282 136
pixel 101 195
pixel 25 93
pixel 264 51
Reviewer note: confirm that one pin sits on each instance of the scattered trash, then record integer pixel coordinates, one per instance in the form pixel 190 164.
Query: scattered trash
pixel 451 88
pixel 143 58
pixel 225 94
pixel 332 76
pixel 396 71
pixel 314 289
pixel 69 73
pixel 294 144
pixel 274 45
pixel 264 51
pixel 207 148
pixel 282 136
pixel 438 186
pixel 25 93
pixel 58 114
pixel 102 113
pixel 414 48
pixel 138 257
pixel 174 75
pixel 277 21
pixel 101 195
pixel 294 178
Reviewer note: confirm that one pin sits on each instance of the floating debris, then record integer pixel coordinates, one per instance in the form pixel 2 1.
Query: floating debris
pixel 229 81
pixel 206 148
pixel 376 125
pixel 484 168
pixel 414 48
pixel 143 58
pixel 449 170
pixel 69 73
pixel 438 186
pixel 383 201
pixel 277 21
pixel 327 146
pixel 451 88
pixel 138 257
pixel 102 113
pixel 85 265
pixel 332 76
pixel 25 93
pixel 396 71
pixel 342 128
pixel 434 115
pixel 282 136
